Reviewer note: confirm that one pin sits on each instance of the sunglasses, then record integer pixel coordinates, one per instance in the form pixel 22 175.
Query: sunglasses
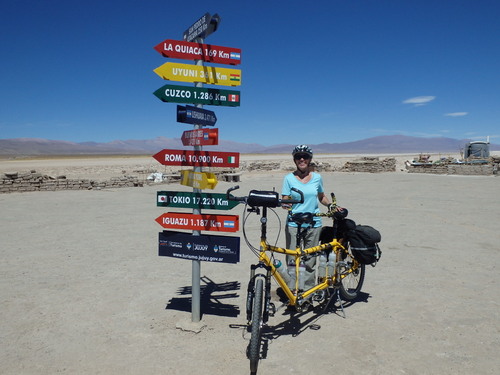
pixel 302 156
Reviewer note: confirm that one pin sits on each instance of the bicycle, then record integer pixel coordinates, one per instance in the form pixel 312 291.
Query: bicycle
pixel 344 279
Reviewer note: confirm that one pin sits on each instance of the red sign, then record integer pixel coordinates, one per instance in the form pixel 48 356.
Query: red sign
pixel 198 158
pixel 178 49
pixel 219 223
pixel 200 137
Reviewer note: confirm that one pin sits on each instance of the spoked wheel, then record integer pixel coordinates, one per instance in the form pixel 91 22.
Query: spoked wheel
pixel 256 327
pixel 353 276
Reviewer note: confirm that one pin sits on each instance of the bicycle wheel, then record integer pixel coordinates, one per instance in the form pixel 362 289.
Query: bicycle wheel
pixel 256 326
pixel 352 280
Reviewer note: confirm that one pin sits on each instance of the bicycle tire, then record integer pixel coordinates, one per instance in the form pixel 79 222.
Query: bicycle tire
pixel 256 326
pixel 351 284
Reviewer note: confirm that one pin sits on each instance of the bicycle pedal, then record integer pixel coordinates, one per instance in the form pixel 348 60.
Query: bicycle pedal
pixel 272 309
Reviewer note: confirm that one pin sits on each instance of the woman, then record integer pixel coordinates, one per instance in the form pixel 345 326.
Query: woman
pixel 311 184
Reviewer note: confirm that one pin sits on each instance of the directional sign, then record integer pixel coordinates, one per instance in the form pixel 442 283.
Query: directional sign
pixel 178 49
pixel 219 223
pixel 196 73
pixel 200 137
pixel 202 28
pixel 198 180
pixel 194 115
pixel 183 199
pixel 206 247
pixel 198 95
pixel 198 158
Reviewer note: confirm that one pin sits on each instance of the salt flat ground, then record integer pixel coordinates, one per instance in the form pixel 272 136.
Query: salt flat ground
pixel 83 290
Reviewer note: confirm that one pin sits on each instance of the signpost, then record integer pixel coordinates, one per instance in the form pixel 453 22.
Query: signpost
pixel 197 247
pixel 200 137
pixel 198 95
pixel 182 199
pixel 198 158
pixel 209 248
pixel 198 180
pixel 204 74
pixel 179 220
pixel 196 51
pixel 194 115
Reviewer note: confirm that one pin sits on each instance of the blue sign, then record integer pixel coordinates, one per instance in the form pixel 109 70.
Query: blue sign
pixel 194 115
pixel 209 248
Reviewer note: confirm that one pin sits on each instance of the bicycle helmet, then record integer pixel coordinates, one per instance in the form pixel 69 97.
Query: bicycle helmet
pixel 302 149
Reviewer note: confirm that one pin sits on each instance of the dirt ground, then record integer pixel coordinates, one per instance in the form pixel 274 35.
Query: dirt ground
pixel 83 290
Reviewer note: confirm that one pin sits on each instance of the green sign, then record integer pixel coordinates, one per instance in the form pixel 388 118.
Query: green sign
pixel 211 201
pixel 198 95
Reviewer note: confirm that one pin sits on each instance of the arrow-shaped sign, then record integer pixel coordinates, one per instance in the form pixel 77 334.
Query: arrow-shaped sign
pixel 198 180
pixel 200 137
pixel 202 28
pixel 183 199
pixel 178 49
pixel 198 95
pixel 178 220
pixel 198 158
pixel 196 73
pixel 194 115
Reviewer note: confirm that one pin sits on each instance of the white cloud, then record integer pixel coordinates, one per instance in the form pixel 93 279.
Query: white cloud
pixel 456 114
pixel 419 100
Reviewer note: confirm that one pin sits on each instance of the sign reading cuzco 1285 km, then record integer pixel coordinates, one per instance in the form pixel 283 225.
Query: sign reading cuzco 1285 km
pixel 198 95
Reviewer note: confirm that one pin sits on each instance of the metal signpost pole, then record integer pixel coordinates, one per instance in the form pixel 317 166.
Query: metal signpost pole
pixel 196 264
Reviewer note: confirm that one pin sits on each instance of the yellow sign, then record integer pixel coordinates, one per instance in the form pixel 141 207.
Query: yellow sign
pixel 198 180
pixel 194 73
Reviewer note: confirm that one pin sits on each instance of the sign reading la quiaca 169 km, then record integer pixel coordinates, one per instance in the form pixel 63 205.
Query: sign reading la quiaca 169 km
pixel 198 158
pixel 197 51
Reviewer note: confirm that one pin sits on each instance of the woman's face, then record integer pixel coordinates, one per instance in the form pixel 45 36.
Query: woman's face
pixel 302 161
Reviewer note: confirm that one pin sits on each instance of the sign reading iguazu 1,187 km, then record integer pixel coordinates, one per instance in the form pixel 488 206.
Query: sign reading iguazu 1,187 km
pixel 198 95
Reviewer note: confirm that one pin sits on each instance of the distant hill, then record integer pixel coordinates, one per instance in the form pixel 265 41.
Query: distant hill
pixel 376 145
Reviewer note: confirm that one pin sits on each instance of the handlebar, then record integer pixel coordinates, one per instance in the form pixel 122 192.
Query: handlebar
pixel 263 198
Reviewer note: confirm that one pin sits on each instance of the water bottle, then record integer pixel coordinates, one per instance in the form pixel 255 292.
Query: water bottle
pixel 282 270
pixel 330 265
pixel 321 266
pixel 302 275
pixel 291 274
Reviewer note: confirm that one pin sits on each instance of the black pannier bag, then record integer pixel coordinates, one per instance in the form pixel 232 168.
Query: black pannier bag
pixel 343 226
pixel 363 241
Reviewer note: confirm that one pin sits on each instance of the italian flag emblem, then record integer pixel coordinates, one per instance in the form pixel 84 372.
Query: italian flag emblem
pixel 231 159
pixel 233 98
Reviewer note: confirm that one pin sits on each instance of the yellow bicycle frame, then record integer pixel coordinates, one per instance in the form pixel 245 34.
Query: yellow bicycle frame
pixel 334 245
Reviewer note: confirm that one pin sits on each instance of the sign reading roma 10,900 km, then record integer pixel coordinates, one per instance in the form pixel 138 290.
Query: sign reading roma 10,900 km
pixel 198 158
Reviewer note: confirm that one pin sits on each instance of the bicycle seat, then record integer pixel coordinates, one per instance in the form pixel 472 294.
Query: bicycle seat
pixel 302 218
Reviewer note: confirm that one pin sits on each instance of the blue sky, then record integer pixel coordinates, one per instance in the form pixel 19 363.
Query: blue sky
pixel 332 71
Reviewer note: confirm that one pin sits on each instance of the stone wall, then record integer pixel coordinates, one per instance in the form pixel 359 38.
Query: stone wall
pixel 33 181
pixel 371 165
pixel 457 169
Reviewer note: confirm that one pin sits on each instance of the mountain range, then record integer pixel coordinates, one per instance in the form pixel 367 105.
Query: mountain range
pixel 387 144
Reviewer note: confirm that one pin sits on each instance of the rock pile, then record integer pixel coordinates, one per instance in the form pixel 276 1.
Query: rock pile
pixel 371 165
pixel 33 181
